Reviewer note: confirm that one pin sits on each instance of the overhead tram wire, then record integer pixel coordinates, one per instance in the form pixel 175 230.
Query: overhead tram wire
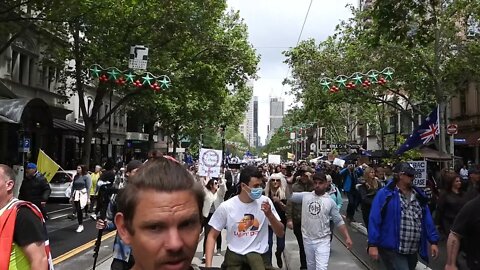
pixel 299 37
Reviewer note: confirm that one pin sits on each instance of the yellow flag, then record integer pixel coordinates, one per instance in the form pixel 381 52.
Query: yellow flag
pixel 46 165
pixel 290 156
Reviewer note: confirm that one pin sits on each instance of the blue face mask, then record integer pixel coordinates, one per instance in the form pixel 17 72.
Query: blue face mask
pixel 255 193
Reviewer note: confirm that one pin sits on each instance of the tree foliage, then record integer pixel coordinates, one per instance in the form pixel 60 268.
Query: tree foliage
pixel 200 46
pixel 423 41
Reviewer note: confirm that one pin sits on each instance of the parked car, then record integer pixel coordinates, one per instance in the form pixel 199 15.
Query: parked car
pixel 60 182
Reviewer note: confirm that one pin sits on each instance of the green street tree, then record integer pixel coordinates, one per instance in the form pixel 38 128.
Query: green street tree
pixel 178 35
pixel 433 34
pixel 209 87
pixel 428 67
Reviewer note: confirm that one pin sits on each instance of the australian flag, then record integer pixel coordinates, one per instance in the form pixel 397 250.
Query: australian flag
pixel 425 133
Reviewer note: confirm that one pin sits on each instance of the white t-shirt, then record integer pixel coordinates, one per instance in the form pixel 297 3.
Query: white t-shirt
pixel 316 214
pixel 246 224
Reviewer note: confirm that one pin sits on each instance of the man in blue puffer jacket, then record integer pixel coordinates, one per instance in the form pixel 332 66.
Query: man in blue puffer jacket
pixel 400 223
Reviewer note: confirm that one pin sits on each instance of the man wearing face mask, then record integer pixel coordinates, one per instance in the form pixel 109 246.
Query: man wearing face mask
pixel 246 218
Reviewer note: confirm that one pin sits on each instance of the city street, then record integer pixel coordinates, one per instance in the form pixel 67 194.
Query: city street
pixel 61 229
pixel 340 257
pixel 73 251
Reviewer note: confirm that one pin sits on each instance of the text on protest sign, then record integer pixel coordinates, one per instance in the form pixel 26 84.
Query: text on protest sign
pixel 420 167
pixel 210 162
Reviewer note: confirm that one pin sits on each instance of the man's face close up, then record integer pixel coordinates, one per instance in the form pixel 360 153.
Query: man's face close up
pixel 165 230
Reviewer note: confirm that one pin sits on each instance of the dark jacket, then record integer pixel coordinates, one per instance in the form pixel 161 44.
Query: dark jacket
pixel 385 216
pixel 232 189
pixel 35 190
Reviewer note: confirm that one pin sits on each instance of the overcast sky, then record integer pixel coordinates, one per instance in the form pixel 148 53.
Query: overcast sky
pixel 274 26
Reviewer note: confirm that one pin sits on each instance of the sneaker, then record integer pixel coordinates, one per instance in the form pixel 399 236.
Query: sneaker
pixel 203 259
pixel 219 251
pixel 80 228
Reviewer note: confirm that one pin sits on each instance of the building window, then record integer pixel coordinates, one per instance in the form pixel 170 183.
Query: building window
pixel 89 105
pixel 463 102
pixel 23 70
pixel 14 62
pixel 405 122
pixel 52 78
pixel 392 124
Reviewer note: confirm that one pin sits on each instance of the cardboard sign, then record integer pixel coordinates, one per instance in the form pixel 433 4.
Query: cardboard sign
pixel 274 159
pixel 339 162
pixel 420 173
pixel 209 162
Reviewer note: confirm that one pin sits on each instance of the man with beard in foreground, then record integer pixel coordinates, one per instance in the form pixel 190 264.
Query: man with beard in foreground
pixel 159 215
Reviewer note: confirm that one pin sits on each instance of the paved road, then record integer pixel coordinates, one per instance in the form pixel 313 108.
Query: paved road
pixel 340 257
pixel 359 238
pixel 61 230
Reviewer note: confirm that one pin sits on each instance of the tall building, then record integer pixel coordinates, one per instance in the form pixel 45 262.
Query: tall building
pixel 365 4
pixel 277 107
pixel 249 127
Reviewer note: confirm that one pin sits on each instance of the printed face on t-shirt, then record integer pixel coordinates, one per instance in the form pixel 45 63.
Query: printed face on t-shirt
pixel 248 223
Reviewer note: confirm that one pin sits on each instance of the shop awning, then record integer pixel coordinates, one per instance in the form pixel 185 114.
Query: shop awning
pixel 23 109
pixel 432 154
pixel 4 119
pixel 67 125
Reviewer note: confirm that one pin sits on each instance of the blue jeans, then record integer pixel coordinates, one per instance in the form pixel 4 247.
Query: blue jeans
pixel 280 244
pixel 396 261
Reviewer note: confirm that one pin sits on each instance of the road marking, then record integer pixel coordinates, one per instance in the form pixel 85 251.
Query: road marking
pixel 60 210
pixel 81 248
pixel 57 217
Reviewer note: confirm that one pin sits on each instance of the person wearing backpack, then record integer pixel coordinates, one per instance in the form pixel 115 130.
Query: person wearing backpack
pixel 400 223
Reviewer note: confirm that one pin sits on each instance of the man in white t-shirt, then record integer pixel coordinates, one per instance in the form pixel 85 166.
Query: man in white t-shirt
pixel 246 218
pixel 318 208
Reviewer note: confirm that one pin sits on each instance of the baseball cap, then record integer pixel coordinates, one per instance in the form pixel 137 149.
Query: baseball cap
pixel 133 164
pixel 31 165
pixel 405 168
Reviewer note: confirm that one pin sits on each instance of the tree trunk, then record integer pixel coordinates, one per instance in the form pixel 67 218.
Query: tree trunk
pixel 174 142
pixel 87 143
pixel 149 128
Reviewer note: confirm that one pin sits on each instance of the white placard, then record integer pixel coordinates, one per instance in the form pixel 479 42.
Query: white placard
pixel 209 162
pixel 274 159
pixel 339 162
pixel 138 57
pixel 421 173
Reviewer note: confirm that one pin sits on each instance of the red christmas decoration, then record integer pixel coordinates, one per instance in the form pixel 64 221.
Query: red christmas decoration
pixel 103 78
pixel 366 83
pixel 351 85
pixel 334 89
pixel 137 83
pixel 155 87
pixel 120 81
pixel 382 81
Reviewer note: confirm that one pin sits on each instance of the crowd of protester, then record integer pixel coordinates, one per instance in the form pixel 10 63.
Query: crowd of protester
pixel 256 202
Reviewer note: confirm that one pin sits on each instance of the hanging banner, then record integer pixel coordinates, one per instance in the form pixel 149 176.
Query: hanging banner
pixel 209 162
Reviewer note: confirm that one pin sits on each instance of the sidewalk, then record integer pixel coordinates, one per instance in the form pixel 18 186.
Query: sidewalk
pixel 340 256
